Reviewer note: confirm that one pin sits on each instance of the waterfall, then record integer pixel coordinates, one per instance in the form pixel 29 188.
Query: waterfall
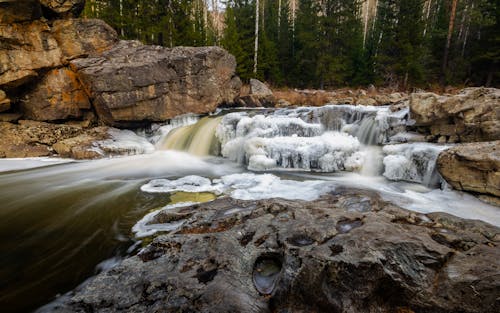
pixel 198 139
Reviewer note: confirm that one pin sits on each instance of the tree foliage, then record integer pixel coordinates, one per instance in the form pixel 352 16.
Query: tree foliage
pixel 328 43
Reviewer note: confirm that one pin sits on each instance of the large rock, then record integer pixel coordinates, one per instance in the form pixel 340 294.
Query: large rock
pixel 133 83
pixel 472 167
pixel 25 49
pixel 79 38
pixel 347 252
pixel 471 115
pixel 58 96
pixel 259 89
pixel 64 8
pixel 14 11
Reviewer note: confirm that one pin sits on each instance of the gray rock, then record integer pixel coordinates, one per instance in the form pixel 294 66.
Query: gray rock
pixel 134 83
pixel 346 252
pixel 259 89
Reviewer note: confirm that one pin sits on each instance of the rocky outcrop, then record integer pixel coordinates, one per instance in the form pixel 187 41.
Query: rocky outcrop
pixel 26 49
pixel 58 96
pixel 32 139
pixel 14 11
pixel 347 252
pixel 473 167
pixel 471 115
pixel 63 8
pixel 79 38
pixel 126 84
pixel 35 139
pixel 133 83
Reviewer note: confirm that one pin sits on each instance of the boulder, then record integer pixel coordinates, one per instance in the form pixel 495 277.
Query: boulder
pixel 79 38
pixel 58 96
pixel 259 89
pixel 259 96
pixel 63 8
pixel 25 49
pixel 346 252
pixel 134 83
pixel 472 167
pixel 15 11
pixel 4 101
pixel 471 115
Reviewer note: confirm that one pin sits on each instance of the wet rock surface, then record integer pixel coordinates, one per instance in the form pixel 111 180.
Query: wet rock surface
pixel 288 256
pixel 471 115
pixel 472 167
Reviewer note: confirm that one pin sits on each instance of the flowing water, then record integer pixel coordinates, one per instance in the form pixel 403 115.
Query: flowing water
pixel 63 221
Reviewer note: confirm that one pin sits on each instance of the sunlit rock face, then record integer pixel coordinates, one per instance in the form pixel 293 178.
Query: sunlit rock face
pixel 296 256
pixel 63 8
pixel 472 167
pixel 471 115
pixel 58 96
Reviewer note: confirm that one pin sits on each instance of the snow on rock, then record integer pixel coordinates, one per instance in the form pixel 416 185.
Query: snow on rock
pixel 191 183
pixel 147 227
pixel 265 186
pixel 413 162
pixel 123 142
pixel 245 186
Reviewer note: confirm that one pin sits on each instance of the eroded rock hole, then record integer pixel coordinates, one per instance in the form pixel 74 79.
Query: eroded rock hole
pixel 345 226
pixel 266 273
pixel 300 240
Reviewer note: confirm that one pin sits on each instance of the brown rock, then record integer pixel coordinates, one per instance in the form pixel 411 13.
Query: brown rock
pixel 59 95
pixel 25 49
pixel 472 115
pixel 14 11
pixel 366 101
pixel 133 83
pixel 4 101
pixel 64 8
pixel 472 167
pixel 32 139
pixel 83 37
pixel 10 117
pixel 82 146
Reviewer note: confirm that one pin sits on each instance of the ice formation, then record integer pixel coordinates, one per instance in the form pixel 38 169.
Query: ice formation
pixel 124 142
pixel 415 162
pixel 266 142
pixel 245 186
pixel 145 227
pixel 191 183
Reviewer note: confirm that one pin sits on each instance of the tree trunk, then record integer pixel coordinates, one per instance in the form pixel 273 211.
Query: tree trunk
pixel 255 56
pixel 448 39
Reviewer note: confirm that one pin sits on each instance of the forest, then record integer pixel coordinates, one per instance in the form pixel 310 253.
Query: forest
pixel 401 44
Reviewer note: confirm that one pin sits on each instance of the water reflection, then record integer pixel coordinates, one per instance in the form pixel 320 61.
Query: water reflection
pixel 60 221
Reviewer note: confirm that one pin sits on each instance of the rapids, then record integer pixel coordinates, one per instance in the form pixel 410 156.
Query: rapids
pixel 63 221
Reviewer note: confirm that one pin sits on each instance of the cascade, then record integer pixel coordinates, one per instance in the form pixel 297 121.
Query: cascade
pixel 198 139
